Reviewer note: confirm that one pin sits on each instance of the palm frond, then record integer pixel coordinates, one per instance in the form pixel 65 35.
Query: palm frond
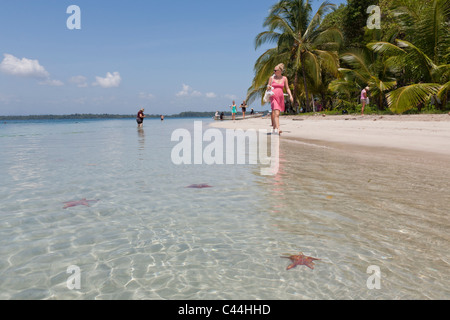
pixel 357 77
pixel 276 22
pixel 266 37
pixel 357 59
pixel 408 97
pixel 316 20
pixel 329 61
pixel 330 37
pixel 433 29
pixel 312 66
pixel 418 61
pixel 444 90
pixel 386 48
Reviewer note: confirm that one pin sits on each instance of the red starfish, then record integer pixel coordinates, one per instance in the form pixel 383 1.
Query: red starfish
pixel 82 202
pixel 199 186
pixel 301 259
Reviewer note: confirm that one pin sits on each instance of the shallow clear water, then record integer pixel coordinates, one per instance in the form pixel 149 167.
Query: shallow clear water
pixel 150 237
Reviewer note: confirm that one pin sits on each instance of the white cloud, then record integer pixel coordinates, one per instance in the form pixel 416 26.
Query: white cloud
pixel 22 67
pixel 146 96
pixel 80 81
pixel 110 81
pixel 231 96
pixel 185 91
pixel 188 91
pixel 51 83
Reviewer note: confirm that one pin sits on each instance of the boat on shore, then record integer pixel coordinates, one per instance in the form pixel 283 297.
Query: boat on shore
pixel 247 116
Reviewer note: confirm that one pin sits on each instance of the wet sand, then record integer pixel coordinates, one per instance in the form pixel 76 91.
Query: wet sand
pixel 424 133
pixel 372 183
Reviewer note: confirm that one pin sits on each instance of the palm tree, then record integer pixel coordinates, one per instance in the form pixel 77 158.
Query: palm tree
pixel 368 69
pixel 304 48
pixel 423 52
pixel 418 69
pixel 416 64
pixel 344 90
pixel 426 24
pixel 421 58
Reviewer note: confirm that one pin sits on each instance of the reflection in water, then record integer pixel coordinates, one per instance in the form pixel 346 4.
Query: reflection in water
pixel 356 209
pixel 26 175
pixel 141 145
pixel 278 185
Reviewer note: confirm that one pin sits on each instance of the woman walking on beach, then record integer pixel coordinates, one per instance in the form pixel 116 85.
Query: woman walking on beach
pixel 278 82
pixel 364 99
pixel 233 111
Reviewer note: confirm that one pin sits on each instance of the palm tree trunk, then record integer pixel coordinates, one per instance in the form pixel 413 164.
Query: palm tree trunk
pixel 304 83
pixel 323 101
pixel 295 93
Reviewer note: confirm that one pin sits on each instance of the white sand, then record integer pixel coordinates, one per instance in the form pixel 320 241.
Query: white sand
pixel 425 133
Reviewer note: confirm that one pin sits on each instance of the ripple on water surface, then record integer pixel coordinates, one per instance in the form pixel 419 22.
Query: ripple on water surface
pixel 150 237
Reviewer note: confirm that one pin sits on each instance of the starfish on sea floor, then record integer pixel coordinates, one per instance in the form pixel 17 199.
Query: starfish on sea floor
pixel 299 260
pixel 82 202
pixel 199 186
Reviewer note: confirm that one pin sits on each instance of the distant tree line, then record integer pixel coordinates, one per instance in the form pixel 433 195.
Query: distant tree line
pixel 77 116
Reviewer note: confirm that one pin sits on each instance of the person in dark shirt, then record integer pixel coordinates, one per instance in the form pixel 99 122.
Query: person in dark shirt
pixel 244 109
pixel 140 118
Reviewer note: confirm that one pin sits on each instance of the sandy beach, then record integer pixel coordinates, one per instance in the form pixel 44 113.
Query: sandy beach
pixel 428 133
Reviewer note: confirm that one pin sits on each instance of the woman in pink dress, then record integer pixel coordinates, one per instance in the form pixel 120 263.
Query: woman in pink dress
pixel 278 82
pixel 364 99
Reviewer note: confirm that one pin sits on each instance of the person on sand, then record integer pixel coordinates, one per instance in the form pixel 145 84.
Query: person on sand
pixel 233 110
pixel 244 109
pixel 278 82
pixel 364 99
pixel 140 118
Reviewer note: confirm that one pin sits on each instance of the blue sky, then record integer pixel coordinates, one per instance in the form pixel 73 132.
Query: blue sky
pixel 165 56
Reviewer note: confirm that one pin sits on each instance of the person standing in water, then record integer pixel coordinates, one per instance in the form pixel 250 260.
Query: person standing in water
pixel 278 82
pixel 140 118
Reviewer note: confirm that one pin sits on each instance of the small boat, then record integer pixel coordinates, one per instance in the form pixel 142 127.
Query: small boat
pixel 247 116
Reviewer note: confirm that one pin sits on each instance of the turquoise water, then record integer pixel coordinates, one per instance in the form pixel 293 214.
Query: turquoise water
pixel 150 237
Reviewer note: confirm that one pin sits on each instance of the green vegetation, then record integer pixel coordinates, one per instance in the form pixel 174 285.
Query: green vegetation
pixel 191 114
pixel 188 114
pixel 331 57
